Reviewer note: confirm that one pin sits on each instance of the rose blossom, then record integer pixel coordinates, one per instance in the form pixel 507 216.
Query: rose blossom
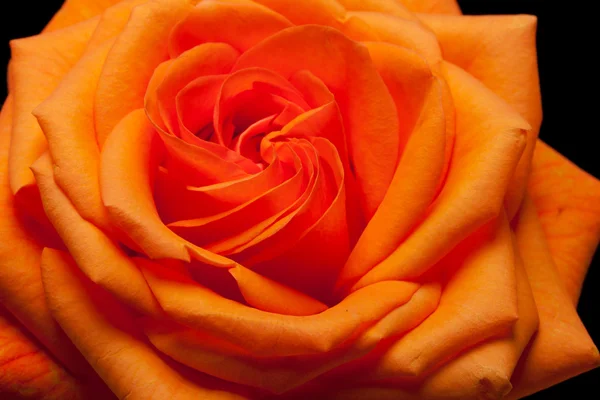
pixel 286 199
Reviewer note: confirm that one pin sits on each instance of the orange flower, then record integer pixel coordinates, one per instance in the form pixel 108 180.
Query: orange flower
pixel 238 199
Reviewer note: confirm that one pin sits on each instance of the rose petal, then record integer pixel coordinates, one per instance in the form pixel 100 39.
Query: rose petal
pixel 21 290
pixel 562 348
pixel 37 66
pixel 175 200
pixel 268 295
pixel 478 302
pixel 345 67
pixel 433 6
pixel 500 51
pixel 568 204
pixel 490 138
pixel 74 11
pixel 379 27
pixel 67 120
pixel 98 256
pixel 266 334
pixel 389 7
pixel 426 135
pixel 218 358
pixel 129 158
pixel 172 76
pixel 241 24
pixel 27 372
pixel 112 344
pixel 141 50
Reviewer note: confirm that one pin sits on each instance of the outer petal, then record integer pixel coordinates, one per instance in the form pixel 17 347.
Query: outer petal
pixel 433 6
pixel 141 49
pixel 479 301
pixel 426 114
pixel 21 289
pixel 490 138
pixel 74 11
pixel 112 343
pixel 101 259
pixel 568 203
pixel 562 347
pixel 37 66
pixel 500 51
pixel 67 119
pixel 27 372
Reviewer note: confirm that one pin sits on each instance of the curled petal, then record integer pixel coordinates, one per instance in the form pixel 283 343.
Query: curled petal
pixel 38 64
pixel 129 158
pixel 426 135
pixel 368 110
pixel 562 347
pixel 500 51
pixel 97 255
pixel 113 345
pixel 241 24
pixel 142 50
pixel 490 138
pixel 266 334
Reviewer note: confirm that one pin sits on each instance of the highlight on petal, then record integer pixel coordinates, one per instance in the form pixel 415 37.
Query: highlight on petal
pixel 567 200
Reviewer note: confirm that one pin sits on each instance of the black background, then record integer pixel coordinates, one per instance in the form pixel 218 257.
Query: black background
pixel 570 124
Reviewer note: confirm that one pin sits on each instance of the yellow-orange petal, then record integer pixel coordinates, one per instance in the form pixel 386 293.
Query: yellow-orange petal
pixel 433 6
pixel 500 51
pixel 562 347
pixel 141 50
pixel 74 11
pixel 67 119
pixel 568 203
pixel 241 24
pixel 490 137
pixel 266 334
pixel 113 344
pixel 426 136
pixel 21 290
pixel 37 66
pixel 98 256
pixel 479 301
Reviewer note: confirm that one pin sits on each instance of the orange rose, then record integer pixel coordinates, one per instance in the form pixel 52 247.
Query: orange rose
pixel 286 199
